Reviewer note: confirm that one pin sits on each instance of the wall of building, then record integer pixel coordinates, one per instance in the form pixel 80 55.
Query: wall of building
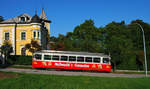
pixel 28 28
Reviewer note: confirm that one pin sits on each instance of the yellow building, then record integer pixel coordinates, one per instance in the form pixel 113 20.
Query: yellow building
pixel 22 29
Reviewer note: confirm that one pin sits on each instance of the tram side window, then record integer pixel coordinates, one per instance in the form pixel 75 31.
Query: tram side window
pixel 72 58
pixel 88 59
pixel 47 57
pixel 37 56
pixel 80 59
pixel 55 57
pixel 64 58
pixel 96 60
pixel 106 60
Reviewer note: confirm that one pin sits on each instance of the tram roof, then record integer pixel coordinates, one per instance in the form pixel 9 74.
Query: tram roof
pixel 72 52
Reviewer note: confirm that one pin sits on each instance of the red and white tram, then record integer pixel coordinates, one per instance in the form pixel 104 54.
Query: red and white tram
pixel 71 60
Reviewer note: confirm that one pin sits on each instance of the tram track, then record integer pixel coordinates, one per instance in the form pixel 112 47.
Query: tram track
pixel 71 73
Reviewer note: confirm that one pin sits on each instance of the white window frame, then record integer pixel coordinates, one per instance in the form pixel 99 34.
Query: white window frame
pixel 34 38
pixel 21 50
pixel 21 35
pixel 5 35
pixel 37 35
pixel 22 17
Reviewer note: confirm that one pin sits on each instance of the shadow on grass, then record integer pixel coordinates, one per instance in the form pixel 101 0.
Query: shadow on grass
pixel 5 65
pixel 72 70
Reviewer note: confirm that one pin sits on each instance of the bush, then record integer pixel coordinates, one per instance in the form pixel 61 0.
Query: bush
pixel 20 60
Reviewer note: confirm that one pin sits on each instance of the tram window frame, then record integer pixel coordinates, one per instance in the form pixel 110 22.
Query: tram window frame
pixel 38 58
pixel 80 60
pixel 53 57
pixel 72 58
pixel 48 58
pixel 95 58
pixel 87 59
pixel 66 59
pixel 107 60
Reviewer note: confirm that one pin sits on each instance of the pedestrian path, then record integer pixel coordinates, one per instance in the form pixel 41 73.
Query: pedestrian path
pixel 71 73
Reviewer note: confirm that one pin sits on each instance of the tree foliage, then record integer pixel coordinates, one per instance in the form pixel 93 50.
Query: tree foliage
pixel 123 42
pixel 33 46
pixel 117 43
pixel 6 49
pixel 85 37
pixel 1 19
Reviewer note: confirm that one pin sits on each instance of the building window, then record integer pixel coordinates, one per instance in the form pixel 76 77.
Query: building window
pixel 23 51
pixel 6 35
pixel 72 58
pixel 64 58
pixel 80 59
pixel 38 56
pixel 34 35
pixel 38 35
pixel 106 60
pixel 96 60
pixel 22 19
pixel 47 57
pixel 23 35
pixel 55 57
pixel 88 59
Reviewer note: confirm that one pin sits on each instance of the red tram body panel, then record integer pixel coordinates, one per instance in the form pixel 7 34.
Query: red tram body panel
pixel 76 66
pixel 70 65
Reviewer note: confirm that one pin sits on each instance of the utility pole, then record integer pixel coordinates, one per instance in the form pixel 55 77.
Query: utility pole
pixel 144 48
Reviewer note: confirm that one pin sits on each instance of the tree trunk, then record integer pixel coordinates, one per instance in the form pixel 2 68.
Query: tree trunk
pixel 114 67
pixel 3 59
pixel 143 67
pixel 3 62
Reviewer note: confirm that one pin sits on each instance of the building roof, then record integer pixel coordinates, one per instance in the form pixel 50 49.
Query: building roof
pixel 29 19
pixel 36 19
pixel 73 53
pixel 43 15
pixel 16 19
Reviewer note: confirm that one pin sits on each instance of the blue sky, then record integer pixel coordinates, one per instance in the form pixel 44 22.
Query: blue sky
pixel 66 14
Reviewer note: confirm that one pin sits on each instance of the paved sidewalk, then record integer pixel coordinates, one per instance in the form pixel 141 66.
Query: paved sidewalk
pixel 71 73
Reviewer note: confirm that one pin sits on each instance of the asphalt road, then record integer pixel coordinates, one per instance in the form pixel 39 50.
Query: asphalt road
pixel 71 73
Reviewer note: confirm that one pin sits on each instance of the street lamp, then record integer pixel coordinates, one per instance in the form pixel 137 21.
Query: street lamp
pixel 144 48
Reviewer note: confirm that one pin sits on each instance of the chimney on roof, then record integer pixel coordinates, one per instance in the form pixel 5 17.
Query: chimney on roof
pixel 43 15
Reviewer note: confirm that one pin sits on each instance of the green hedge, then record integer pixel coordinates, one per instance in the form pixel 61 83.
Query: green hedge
pixel 20 60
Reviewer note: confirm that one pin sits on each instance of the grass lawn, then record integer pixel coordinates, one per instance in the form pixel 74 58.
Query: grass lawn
pixel 37 81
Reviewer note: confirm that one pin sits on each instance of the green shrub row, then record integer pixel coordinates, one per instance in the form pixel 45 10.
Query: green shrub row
pixel 20 60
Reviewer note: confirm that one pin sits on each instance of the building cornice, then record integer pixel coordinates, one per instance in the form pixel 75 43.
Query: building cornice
pixel 30 24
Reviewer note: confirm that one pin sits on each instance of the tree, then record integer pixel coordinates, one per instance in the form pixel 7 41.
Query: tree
pixel 6 49
pixel 57 43
pixel 117 43
pixel 122 41
pixel 137 40
pixel 1 19
pixel 57 46
pixel 33 46
pixel 85 37
pixel 140 59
